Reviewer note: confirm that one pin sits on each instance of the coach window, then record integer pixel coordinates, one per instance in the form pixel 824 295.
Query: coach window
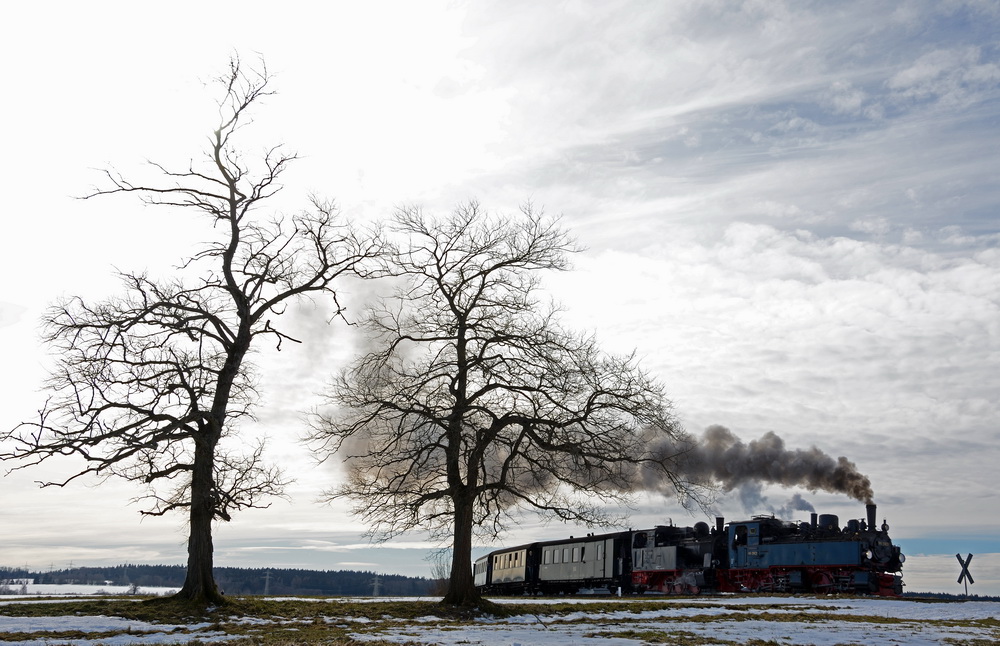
pixel 555 556
pixel 600 551
pixel 576 554
pixel 565 555
pixel 547 557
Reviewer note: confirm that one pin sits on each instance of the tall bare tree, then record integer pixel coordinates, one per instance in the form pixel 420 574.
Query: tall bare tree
pixel 474 402
pixel 147 384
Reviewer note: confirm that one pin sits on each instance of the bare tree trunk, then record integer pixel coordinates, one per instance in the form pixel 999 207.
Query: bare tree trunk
pixel 199 585
pixel 461 586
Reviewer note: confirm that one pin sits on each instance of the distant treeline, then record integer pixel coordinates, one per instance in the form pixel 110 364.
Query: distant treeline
pixel 283 582
pixel 231 580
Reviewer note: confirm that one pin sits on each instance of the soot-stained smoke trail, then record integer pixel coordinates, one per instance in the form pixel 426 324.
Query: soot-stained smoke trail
pixel 752 498
pixel 721 457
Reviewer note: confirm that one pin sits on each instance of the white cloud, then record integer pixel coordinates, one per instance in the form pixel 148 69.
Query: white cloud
pixel 878 226
pixel 10 313
pixel 845 98
pixel 953 76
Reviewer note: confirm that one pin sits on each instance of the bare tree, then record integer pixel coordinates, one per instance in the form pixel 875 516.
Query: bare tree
pixel 473 402
pixel 147 384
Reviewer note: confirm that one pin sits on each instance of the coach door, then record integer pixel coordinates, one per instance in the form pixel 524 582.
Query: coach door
pixel 600 570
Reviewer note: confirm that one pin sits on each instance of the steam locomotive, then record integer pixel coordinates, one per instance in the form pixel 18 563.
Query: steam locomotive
pixel 762 554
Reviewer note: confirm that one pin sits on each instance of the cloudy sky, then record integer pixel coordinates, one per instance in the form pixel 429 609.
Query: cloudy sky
pixel 789 211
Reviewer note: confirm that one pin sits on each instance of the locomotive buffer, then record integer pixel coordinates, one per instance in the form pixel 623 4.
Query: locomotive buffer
pixel 965 576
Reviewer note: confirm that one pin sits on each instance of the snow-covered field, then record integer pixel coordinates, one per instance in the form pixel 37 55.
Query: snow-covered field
pixel 63 589
pixel 717 620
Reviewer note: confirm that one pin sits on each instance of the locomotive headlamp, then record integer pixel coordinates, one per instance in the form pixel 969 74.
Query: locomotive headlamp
pixel 869 554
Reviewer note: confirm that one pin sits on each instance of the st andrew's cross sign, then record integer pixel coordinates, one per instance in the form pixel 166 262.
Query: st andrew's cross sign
pixel 965 576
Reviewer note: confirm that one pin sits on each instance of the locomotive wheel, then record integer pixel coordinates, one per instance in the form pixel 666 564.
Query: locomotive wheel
pixel 822 580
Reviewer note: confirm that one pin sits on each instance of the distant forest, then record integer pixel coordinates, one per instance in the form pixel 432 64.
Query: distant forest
pixel 280 582
pixel 239 580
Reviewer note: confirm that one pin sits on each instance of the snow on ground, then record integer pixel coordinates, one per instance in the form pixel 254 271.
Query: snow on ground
pixel 113 630
pixel 729 619
pixel 823 622
pixel 59 589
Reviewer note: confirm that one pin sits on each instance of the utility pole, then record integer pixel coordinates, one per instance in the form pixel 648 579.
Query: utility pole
pixel 376 586
pixel 267 582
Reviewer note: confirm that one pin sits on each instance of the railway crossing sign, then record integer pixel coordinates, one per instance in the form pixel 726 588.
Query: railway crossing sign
pixel 965 576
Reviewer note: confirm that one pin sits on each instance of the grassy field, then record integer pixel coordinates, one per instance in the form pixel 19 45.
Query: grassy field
pixel 698 621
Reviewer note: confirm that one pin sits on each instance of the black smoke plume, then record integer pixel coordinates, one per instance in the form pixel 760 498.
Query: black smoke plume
pixel 752 498
pixel 722 458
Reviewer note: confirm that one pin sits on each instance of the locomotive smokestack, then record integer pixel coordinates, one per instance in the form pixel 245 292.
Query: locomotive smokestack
pixel 720 523
pixel 871 509
pixel 812 519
